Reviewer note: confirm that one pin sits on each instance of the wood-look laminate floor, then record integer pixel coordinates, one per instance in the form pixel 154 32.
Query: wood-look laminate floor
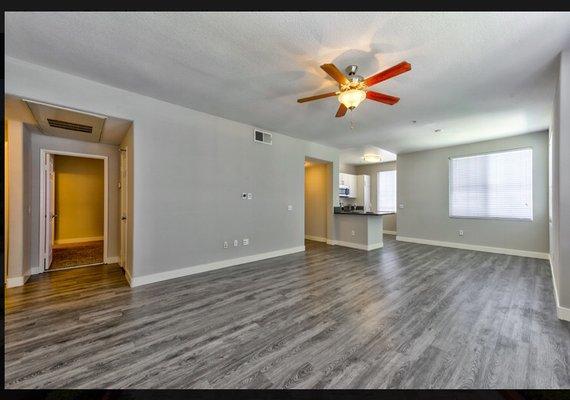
pixel 405 316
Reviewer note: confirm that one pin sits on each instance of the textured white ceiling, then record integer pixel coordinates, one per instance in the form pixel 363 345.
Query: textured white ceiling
pixel 477 76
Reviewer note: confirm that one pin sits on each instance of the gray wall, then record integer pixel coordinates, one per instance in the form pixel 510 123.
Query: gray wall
pixel 367 229
pixel 424 191
pixel 347 169
pixel 190 169
pixel 372 170
pixel 560 184
pixel 40 141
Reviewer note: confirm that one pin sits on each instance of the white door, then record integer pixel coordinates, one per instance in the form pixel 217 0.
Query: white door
pixel 124 203
pixel 49 215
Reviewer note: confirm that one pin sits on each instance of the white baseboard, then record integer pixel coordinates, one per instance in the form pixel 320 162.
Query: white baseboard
pixel 112 260
pixel 499 250
pixel 331 242
pixel 16 281
pixel 359 246
pixel 390 232
pixel 316 238
pixel 196 269
pixel 561 312
pixel 79 240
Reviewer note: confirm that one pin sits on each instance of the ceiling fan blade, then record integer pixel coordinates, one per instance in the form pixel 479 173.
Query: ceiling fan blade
pixel 396 70
pixel 382 98
pixel 335 73
pixel 341 111
pixel 316 97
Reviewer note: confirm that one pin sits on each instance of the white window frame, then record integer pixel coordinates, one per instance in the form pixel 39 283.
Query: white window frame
pixel 449 185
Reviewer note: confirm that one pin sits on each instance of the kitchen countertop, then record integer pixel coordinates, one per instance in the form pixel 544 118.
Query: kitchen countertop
pixel 361 212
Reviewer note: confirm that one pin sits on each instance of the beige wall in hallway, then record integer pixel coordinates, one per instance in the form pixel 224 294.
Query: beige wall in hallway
pixel 79 198
pixel 372 170
pixel 316 200
pixel 17 199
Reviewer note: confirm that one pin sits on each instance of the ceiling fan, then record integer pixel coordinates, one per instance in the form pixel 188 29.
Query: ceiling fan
pixel 353 89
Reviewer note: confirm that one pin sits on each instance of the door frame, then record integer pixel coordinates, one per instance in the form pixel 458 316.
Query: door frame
pixel 43 153
pixel 124 206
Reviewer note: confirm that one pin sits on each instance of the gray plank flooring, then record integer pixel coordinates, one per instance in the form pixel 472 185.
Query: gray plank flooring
pixel 404 316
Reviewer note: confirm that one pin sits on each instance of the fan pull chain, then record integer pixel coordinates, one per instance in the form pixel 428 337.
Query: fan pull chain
pixel 350 121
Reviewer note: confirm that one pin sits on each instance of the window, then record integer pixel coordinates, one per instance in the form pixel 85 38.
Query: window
pixel 387 191
pixel 494 185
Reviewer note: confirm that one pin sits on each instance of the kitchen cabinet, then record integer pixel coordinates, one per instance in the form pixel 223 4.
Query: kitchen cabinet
pixel 359 188
pixel 349 181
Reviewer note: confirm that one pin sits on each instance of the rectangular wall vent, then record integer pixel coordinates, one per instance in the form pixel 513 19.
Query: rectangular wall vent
pixel 54 123
pixel 262 137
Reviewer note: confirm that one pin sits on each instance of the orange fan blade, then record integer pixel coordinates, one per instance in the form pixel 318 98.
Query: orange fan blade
pixel 335 73
pixel 396 70
pixel 382 98
pixel 317 97
pixel 341 111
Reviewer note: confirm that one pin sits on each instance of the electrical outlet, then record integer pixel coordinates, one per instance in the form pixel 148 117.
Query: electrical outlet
pixel 246 241
pixel 353 233
pixel 226 245
pixel 236 243
pixel 401 205
pixel 289 207
pixel 249 196
pixel 460 232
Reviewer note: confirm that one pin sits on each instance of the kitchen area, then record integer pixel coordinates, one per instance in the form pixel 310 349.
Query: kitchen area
pixel 361 217
pixel 357 224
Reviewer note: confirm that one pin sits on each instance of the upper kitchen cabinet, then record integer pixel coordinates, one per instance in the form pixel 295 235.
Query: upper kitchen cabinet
pixel 348 181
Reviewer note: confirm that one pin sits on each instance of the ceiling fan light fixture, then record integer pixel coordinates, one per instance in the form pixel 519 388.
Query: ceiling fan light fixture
pixel 352 98
pixel 372 158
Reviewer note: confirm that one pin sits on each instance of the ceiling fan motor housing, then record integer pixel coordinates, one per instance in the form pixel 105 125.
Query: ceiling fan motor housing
pixel 351 72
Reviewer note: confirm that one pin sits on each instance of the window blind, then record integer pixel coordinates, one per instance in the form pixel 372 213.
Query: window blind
pixel 387 191
pixel 494 185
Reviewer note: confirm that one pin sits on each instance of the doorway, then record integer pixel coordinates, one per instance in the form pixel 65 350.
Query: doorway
pixel 123 186
pixel 318 175
pixel 73 210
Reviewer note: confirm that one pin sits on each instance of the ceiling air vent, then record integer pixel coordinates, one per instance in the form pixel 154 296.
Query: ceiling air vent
pixel 70 126
pixel 262 137
pixel 67 122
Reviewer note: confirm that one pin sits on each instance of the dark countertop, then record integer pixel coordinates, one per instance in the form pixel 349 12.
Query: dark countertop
pixel 360 212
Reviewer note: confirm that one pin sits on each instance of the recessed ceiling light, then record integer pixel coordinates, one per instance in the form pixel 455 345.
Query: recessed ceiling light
pixel 438 130
pixel 371 158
